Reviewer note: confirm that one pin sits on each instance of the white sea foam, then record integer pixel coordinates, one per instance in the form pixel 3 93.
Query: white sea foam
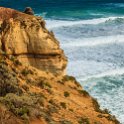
pixel 107 73
pixel 109 94
pixel 94 41
pixel 58 23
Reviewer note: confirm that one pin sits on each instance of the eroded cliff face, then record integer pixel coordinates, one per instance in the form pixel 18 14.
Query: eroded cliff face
pixel 26 37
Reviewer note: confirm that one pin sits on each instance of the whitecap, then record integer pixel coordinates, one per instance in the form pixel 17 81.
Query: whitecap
pixel 94 41
pixel 59 23
pixel 113 72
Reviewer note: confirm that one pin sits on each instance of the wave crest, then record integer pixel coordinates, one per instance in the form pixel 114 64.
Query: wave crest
pixel 57 23
pixel 108 73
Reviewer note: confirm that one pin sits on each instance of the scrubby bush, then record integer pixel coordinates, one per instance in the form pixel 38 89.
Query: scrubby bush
pixel 9 86
pixel 24 105
pixel 19 99
pixel 68 78
pixel 43 83
pixel 26 71
pixel 66 94
pixel 83 92
pixel 54 103
pixel 63 105
pixel 3 62
pixel 8 82
pixel 52 109
pixel 12 58
pixel 25 87
pixel 71 110
pixel 84 121
pixel 17 62
pixel 96 105
pixel 17 104
pixel 51 101
pixel 66 122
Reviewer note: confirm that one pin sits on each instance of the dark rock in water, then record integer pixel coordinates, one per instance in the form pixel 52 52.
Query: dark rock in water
pixel 28 10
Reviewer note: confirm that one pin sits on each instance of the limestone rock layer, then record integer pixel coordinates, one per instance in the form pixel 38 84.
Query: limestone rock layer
pixel 26 37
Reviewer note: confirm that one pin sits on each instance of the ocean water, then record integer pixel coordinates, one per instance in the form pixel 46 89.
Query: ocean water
pixel 91 32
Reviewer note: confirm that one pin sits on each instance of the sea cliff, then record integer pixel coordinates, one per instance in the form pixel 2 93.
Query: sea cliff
pixel 34 86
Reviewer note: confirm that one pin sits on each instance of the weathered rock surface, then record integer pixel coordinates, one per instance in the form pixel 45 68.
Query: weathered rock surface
pixel 26 37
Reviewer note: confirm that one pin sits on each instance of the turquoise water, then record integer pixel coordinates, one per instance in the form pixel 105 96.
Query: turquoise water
pixel 91 32
pixel 69 9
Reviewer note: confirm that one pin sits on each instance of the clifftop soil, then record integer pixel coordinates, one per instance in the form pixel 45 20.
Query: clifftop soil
pixel 34 87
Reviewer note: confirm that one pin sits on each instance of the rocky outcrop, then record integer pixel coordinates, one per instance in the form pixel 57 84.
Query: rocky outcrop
pixel 26 37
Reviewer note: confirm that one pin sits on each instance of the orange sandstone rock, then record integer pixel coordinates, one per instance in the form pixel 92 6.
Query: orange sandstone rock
pixel 26 37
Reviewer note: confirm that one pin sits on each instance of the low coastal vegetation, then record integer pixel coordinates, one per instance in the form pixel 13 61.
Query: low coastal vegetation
pixel 18 97
pixel 83 121
pixel 66 94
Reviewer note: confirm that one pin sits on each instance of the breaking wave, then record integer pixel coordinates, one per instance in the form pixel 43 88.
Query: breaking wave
pixel 60 23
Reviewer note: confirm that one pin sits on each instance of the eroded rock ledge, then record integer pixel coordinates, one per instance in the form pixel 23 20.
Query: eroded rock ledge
pixel 26 37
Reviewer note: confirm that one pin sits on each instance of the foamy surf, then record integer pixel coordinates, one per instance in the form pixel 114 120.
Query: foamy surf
pixel 111 89
pixel 94 41
pixel 107 73
pixel 59 23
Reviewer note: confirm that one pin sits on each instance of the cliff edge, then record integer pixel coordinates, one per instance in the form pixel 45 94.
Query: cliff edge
pixel 34 87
